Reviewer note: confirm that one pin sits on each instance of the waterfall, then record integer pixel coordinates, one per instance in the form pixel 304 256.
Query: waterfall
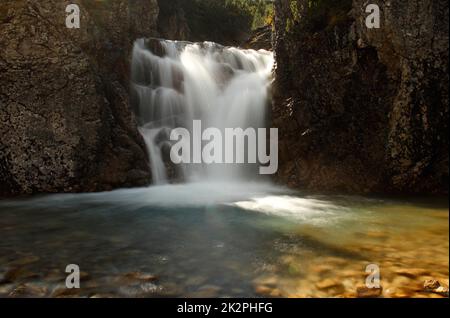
pixel 174 83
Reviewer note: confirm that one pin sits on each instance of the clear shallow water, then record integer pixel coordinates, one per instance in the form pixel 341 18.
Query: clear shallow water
pixel 220 239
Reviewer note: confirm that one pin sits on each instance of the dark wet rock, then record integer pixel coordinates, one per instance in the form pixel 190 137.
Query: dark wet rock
pixel 198 21
pixel 172 21
pixel 156 47
pixel 66 123
pixel 361 110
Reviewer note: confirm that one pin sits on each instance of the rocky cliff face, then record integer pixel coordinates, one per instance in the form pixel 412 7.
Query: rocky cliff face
pixel 65 120
pixel 198 21
pixel 362 110
pixel 172 21
pixel 359 110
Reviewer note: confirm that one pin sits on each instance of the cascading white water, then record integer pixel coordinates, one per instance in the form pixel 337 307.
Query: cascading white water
pixel 175 83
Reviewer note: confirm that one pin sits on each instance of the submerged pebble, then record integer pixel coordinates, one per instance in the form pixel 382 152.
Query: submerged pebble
pixel 436 287
pixel 365 292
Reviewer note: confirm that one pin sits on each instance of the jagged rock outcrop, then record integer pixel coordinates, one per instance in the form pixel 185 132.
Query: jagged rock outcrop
pixel 65 119
pixel 362 110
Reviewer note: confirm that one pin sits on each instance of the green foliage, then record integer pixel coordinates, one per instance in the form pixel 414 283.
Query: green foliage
pixel 316 15
pixel 295 15
pixel 260 11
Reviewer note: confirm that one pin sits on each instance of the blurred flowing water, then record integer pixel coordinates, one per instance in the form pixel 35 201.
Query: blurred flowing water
pixel 175 83
pixel 220 239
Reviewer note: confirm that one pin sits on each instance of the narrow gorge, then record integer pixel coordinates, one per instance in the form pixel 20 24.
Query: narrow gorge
pixel 359 110
pixel 90 118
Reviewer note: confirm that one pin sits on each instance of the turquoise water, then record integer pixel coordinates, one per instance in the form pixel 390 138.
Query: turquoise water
pixel 220 240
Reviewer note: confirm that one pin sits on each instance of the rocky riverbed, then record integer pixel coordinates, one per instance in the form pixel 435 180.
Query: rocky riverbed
pixel 145 243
